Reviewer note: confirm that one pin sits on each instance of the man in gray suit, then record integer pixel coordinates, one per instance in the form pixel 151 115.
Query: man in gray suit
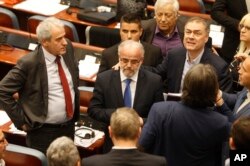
pixel 109 92
pixel 47 83
pixel 124 130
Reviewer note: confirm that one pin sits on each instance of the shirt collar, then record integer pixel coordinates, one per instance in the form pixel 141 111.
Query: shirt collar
pixel 196 60
pixel 50 57
pixel 158 32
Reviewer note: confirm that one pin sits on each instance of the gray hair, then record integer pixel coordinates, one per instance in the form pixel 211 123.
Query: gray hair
pixel 62 152
pixel 160 3
pixel 43 30
pixel 130 44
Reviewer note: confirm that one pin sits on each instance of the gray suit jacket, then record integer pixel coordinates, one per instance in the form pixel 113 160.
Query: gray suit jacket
pixel 29 78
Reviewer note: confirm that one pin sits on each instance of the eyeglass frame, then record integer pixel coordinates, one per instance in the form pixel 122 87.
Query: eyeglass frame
pixel 241 26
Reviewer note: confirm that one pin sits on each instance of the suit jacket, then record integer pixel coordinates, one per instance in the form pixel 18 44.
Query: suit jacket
pixel 29 78
pixel 185 136
pixel 152 56
pixel 173 67
pixel 235 100
pixel 124 157
pixel 108 94
pixel 228 13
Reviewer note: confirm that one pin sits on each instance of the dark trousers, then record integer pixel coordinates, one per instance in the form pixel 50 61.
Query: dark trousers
pixel 41 138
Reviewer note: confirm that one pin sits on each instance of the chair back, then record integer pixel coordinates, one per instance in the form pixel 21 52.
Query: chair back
pixel 190 5
pixel 102 36
pixel 17 155
pixel 70 29
pixel 86 93
pixel 8 19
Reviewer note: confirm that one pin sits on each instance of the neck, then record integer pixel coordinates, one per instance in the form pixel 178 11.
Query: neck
pixel 193 54
pixel 125 143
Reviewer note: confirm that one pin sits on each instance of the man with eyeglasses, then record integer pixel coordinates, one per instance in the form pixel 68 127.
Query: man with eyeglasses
pixel 180 60
pixel 3 144
pixel 130 29
pixel 130 86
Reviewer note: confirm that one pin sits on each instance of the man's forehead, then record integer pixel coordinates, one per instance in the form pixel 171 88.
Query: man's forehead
pixel 196 26
pixel 169 8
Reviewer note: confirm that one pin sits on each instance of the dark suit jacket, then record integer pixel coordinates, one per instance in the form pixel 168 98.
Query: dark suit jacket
pixel 235 100
pixel 185 136
pixel 29 78
pixel 228 13
pixel 152 56
pixel 124 157
pixel 108 96
pixel 173 67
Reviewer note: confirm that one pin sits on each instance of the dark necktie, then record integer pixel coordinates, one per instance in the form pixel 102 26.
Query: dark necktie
pixel 66 90
pixel 127 94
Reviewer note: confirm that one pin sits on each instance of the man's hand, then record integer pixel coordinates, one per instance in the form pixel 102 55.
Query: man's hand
pixel 116 67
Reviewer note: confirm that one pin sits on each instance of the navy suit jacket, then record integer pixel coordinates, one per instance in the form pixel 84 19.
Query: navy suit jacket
pixel 172 68
pixel 152 56
pixel 228 13
pixel 108 94
pixel 185 136
pixel 235 100
pixel 124 157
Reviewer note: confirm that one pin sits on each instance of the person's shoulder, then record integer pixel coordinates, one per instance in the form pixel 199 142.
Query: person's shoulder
pixel 149 46
pixel 157 160
pixel 215 59
pixel 111 49
pixel 108 73
pixel 149 74
pixel 94 160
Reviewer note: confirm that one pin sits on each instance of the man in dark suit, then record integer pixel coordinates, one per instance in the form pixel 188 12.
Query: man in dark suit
pixel 124 130
pixel 110 86
pixel 240 102
pixel 130 30
pixel 189 132
pixel 228 13
pixel 180 60
pixel 48 105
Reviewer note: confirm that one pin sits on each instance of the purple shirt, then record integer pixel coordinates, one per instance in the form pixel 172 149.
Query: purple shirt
pixel 167 42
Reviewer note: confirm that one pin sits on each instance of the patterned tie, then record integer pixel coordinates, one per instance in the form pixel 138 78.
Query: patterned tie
pixel 66 91
pixel 127 94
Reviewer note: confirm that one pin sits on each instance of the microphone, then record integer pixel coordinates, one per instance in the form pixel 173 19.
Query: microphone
pixel 31 44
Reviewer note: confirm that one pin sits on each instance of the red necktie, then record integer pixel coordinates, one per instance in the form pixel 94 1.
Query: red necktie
pixel 65 85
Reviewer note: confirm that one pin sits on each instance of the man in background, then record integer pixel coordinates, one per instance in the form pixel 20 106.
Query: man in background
pixel 124 130
pixel 180 60
pixel 228 13
pixel 63 152
pixel 130 30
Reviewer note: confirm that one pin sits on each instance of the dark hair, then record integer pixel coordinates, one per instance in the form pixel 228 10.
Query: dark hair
pixel 199 20
pixel 240 132
pixel 131 18
pixel 200 86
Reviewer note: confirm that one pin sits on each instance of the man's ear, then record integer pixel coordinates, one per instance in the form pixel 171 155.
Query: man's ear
pixel 231 144
pixel 110 132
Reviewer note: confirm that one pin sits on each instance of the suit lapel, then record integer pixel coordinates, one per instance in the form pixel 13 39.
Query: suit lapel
pixel 116 84
pixel 139 87
pixel 179 69
pixel 240 100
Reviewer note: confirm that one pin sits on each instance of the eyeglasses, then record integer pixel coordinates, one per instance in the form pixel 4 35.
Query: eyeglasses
pixel 195 33
pixel 241 26
pixel 132 61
